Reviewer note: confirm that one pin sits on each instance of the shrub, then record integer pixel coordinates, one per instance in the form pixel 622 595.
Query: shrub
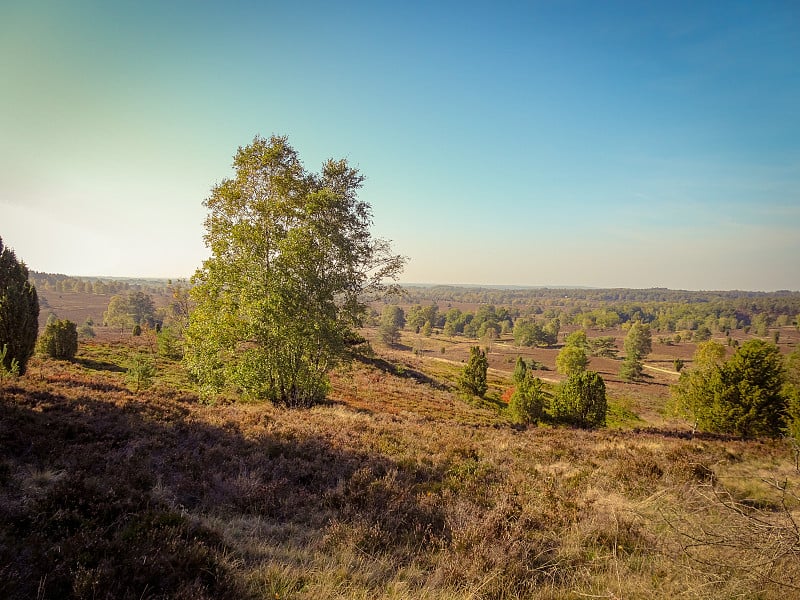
pixel 60 339
pixel 141 371
pixel 169 346
pixel 527 401
pixel 742 396
pixel 581 400
pixel 473 378
pixel 19 311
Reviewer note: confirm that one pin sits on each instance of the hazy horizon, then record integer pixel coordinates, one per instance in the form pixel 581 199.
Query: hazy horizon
pixel 612 145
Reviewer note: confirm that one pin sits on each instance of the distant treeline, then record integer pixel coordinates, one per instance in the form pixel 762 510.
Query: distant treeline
pixel 666 310
pixel 56 282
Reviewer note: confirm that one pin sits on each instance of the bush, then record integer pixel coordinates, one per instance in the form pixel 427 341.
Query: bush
pixel 60 339
pixel 473 378
pixel 169 346
pixel 527 401
pixel 742 396
pixel 581 400
pixel 141 371
pixel 19 311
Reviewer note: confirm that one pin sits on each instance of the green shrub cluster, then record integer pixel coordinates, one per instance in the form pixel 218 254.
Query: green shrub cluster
pixel 60 339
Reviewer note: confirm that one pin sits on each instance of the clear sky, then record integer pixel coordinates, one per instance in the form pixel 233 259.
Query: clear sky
pixel 624 144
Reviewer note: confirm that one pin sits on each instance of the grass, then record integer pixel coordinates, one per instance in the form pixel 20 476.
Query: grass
pixel 396 488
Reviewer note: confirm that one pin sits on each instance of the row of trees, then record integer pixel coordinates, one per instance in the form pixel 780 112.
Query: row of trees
pixel 56 282
pixel 580 400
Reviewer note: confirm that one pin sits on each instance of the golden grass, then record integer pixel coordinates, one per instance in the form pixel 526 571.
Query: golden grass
pixel 397 488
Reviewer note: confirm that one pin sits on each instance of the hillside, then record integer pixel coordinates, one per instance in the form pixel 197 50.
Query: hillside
pixel 396 488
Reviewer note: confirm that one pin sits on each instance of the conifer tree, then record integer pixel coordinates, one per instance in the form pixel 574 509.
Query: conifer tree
pixel 19 311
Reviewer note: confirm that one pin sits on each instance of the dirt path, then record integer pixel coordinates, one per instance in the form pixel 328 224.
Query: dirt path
pixel 490 370
pixel 660 370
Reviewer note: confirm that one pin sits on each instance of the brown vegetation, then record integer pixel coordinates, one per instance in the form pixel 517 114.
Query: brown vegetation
pixel 396 488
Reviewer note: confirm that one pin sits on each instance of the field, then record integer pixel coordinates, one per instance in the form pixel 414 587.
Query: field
pixel 397 487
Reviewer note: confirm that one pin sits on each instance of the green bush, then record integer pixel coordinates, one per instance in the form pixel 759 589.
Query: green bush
pixel 743 396
pixel 527 401
pixel 473 378
pixel 60 339
pixel 19 311
pixel 581 400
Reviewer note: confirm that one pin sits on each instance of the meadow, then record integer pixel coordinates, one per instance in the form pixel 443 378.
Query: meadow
pixel 397 487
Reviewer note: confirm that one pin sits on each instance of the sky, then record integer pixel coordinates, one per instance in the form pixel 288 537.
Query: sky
pixel 593 143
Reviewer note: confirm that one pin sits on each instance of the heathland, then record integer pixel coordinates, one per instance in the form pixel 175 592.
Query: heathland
pixel 398 485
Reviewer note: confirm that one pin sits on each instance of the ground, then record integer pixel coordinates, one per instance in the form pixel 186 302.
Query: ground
pixel 397 487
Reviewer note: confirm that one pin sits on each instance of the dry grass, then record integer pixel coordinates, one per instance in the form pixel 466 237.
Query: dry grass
pixel 395 489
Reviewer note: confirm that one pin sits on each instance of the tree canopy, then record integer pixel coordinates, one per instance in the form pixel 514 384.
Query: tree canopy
pixel 19 311
pixel 744 395
pixel 280 296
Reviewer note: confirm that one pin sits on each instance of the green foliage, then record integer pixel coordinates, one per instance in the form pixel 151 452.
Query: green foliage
pixel 678 364
pixel 421 318
pixel 530 333
pixel 86 330
pixel 127 311
pixel 581 400
pixel 638 344
pixel 392 321
pixel 743 396
pixel 137 330
pixel 603 346
pixel 19 311
pixel 520 370
pixel 577 339
pixel 141 370
pixel 12 370
pixel 473 378
pixel 59 339
pixel 702 334
pixel 571 360
pixel 169 344
pixel 281 294
pixel 528 400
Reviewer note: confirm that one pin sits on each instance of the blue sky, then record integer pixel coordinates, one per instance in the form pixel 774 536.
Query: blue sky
pixel 588 143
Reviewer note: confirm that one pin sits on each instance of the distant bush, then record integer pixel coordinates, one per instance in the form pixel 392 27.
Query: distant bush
pixel 60 339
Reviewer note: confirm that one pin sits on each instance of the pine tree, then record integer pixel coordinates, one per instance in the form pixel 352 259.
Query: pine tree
pixel 19 311
pixel 473 378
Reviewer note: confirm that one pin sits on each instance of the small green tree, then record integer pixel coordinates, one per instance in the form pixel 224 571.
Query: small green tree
pixel 638 344
pixel 744 396
pixel 392 321
pixel 520 370
pixel 581 400
pixel 604 346
pixel 59 339
pixel 169 344
pixel 528 400
pixel 473 378
pixel 19 311
pixel 141 371
pixel 118 313
pixel 571 360
pixel 12 370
